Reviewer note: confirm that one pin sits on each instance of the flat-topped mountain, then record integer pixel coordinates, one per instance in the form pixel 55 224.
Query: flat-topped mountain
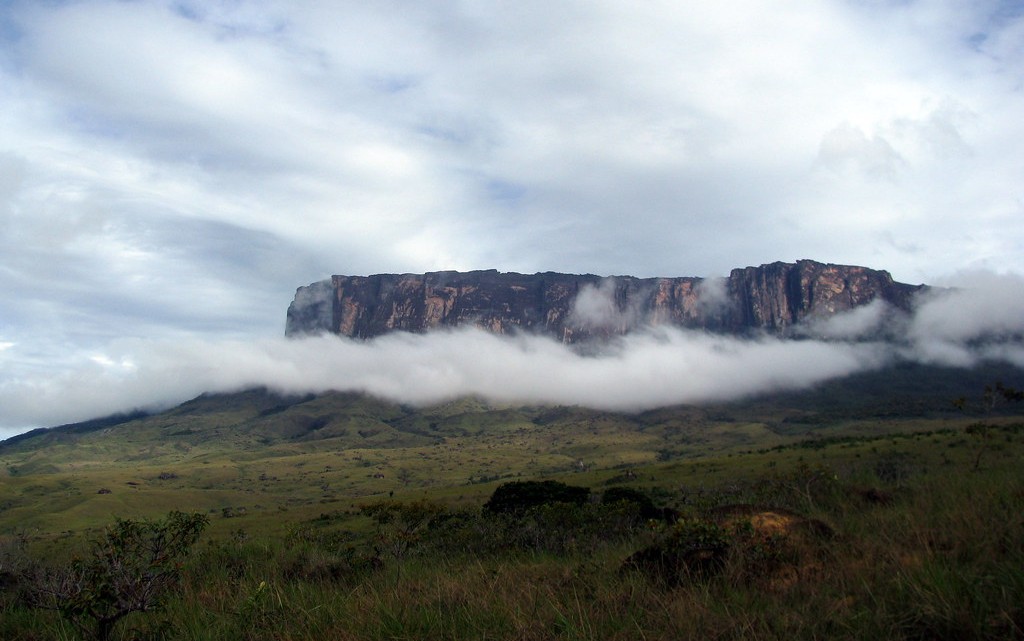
pixel 774 298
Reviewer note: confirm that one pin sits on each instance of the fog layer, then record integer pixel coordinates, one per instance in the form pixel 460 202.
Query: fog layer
pixel 645 369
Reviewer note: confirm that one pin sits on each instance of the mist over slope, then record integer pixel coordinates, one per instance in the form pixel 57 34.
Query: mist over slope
pixel 981 320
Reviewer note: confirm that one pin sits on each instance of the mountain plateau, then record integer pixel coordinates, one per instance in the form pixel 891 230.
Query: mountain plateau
pixel 777 298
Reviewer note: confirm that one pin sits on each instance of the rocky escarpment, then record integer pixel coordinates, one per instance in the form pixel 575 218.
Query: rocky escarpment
pixel 778 298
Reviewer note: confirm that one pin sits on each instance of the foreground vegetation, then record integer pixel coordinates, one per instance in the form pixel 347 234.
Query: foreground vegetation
pixel 903 528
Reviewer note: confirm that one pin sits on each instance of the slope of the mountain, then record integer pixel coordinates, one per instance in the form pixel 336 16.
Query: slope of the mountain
pixel 774 298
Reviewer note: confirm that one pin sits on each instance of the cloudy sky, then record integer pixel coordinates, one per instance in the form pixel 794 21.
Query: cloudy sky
pixel 171 170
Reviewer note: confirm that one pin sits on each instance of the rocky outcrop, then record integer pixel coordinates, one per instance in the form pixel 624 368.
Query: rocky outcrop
pixel 778 298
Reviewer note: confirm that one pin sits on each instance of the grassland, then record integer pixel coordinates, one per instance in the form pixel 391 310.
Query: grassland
pixel 924 510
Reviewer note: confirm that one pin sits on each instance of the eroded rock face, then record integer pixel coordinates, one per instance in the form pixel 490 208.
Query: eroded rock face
pixel 775 298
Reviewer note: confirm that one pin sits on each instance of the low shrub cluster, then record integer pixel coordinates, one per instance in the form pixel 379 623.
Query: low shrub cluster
pixel 540 518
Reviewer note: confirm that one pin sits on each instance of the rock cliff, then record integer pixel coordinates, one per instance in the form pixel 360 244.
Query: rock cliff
pixel 778 298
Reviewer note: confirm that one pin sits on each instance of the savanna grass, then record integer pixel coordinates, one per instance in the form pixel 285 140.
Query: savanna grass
pixel 914 543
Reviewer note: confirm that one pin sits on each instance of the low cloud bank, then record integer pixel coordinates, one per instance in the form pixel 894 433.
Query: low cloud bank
pixel 639 371
pixel 955 327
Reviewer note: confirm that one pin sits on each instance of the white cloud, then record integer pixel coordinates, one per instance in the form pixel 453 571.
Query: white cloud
pixel 849 145
pixel 595 308
pixel 347 127
pixel 644 370
pixel 974 305
pixel 713 294
pixel 858 323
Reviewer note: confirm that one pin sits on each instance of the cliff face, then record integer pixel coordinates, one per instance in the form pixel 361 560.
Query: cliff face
pixel 775 298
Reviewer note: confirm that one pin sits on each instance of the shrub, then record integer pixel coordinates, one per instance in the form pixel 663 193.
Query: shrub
pixel 129 569
pixel 692 549
pixel 629 495
pixel 756 544
pixel 807 487
pixel 401 526
pixel 518 496
pixel 563 528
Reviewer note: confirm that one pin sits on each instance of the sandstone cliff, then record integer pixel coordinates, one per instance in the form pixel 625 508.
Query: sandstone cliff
pixel 778 298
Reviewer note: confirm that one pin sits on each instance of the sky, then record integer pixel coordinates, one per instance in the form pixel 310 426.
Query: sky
pixel 172 170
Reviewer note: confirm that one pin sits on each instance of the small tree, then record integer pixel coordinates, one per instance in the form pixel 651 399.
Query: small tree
pixel 400 526
pixel 405 476
pixel 129 569
pixel 991 399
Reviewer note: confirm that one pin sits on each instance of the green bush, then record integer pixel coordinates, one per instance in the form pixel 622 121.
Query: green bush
pixel 130 569
pixel 517 496
pixel 632 496
pixel 691 549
